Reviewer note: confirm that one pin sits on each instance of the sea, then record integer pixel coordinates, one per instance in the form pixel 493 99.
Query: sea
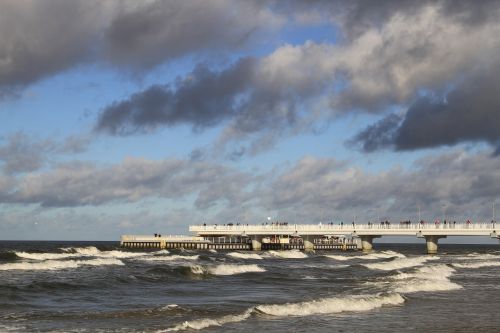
pixel 100 287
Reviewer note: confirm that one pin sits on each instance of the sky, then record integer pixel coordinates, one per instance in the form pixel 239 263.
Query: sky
pixel 128 117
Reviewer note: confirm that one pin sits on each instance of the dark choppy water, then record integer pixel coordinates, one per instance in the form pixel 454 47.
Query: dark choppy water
pixel 98 287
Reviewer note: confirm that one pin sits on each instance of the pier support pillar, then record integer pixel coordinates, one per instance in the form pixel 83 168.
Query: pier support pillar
pixel 432 243
pixel 367 242
pixel 308 244
pixel 163 244
pixel 256 243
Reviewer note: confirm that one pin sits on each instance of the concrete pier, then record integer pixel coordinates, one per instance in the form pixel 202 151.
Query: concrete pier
pixel 308 243
pixel 256 243
pixel 367 242
pixel 432 243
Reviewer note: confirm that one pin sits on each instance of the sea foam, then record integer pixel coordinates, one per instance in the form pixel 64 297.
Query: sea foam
pixel 169 258
pixel 292 254
pixel 400 263
pixel 240 255
pixel 226 269
pixel 207 322
pixel 428 278
pixel 478 264
pixel 331 305
pixel 59 264
pixel 370 256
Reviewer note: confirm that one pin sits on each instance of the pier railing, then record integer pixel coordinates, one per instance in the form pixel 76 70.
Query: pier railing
pixel 373 228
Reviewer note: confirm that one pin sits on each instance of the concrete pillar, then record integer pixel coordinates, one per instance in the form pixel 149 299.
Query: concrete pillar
pixel 367 242
pixel 308 243
pixel 256 243
pixel 432 243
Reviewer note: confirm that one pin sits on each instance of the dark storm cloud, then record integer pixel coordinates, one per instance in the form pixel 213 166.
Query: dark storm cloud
pixel 151 33
pixel 202 99
pixel 42 38
pixel 379 135
pixel 470 112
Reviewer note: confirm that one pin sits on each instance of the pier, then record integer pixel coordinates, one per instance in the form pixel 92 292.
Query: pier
pixel 431 232
pixel 308 237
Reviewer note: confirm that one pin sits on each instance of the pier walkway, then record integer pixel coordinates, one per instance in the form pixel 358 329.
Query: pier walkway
pixel 432 232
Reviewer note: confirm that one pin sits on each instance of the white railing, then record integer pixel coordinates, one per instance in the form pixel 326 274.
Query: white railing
pixel 325 228
pixel 152 238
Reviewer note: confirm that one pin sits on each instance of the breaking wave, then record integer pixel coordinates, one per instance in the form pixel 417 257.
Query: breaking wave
pixel 240 255
pixel 226 269
pixel 323 306
pixel 291 254
pixel 429 278
pixel 169 258
pixel 478 264
pixel 59 264
pixel 46 256
pixel 207 322
pixel 400 263
pixel 370 256
pixel 331 305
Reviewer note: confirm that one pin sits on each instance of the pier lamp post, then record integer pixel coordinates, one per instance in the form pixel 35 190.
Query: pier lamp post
pixel 444 211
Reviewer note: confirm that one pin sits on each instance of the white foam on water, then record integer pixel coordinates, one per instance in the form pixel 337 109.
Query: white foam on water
pixel 229 269
pixel 428 278
pixel 46 256
pixel 169 258
pixel 292 254
pixel 400 263
pixel 59 264
pixel 208 322
pixel 340 258
pixel 478 264
pixel 169 307
pixel 240 255
pixel 197 269
pixel 212 251
pixel 92 251
pixel 370 256
pixel 331 305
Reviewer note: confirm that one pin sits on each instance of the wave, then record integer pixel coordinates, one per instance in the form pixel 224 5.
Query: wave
pixel 240 255
pixel 92 251
pixel 400 263
pixel 291 254
pixel 59 264
pixel 226 269
pixel 46 256
pixel 323 306
pixel 429 278
pixel 478 264
pixel 207 322
pixel 169 258
pixel 370 256
pixel 212 251
pixel 331 305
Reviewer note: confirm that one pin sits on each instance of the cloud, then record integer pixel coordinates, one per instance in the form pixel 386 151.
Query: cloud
pixel 126 35
pixel 32 45
pixel 315 189
pixel 469 112
pixel 21 153
pixel 151 33
pixel 80 184
pixel 295 88
pixel 202 99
